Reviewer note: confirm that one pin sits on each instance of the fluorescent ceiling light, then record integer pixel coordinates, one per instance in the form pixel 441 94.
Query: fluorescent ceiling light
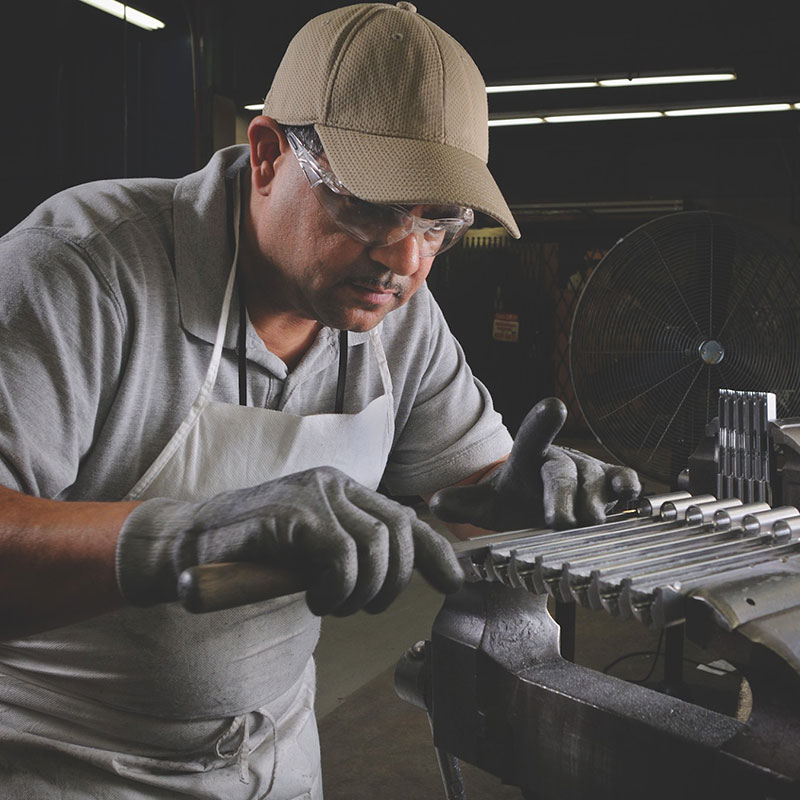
pixel 539 87
pixel 600 115
pixel 563 208
pixel 254 107
pixel 610 81
pixel 753 109
pixel 122 11
pixel 499 123
pixel 605 116
pixel 658 79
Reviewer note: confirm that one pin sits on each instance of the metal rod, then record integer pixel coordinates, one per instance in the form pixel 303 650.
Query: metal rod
pixel 450 770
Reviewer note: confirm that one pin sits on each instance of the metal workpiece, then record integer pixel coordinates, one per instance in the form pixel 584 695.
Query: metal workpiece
pixel 498 547
pixel 643 567
pixel 537 566
pixel 651 505
pixel 764 521
pixel 636 566
pixel 676 509
pixel 732 517
pixel 704 512
pixel 655 593
pixel 788 528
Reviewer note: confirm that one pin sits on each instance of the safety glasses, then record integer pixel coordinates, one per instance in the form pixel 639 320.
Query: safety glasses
pixel 437 227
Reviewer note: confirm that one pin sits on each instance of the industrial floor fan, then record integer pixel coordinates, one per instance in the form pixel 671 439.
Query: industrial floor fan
pixel 681 307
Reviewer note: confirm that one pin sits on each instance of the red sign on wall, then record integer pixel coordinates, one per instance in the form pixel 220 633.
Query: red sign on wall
pixel 505 327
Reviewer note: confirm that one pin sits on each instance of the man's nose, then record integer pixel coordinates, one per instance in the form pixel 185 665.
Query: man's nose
pixel 402 257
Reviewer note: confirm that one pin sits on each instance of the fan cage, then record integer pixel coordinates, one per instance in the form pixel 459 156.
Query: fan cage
pixel 681 307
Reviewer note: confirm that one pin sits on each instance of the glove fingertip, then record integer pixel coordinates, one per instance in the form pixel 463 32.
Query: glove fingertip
pixel 436 561
pixel 625 488
pixel 331 588
pixel 446 576
pixel 539 427
pixel 445 583
pixel 561 520
pixel 319 606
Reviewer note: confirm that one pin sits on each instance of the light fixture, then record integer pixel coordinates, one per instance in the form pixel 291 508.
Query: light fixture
pixel 497 123
pixel 603 117
pixel 650 80
pixel 610 81
pixel 254 107
pixel 644 112
pixel 123 11
pixel 752 109
pixel 539 87
pixel 608 207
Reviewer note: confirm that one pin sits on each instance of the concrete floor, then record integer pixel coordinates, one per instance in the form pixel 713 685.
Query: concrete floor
pixel 376 746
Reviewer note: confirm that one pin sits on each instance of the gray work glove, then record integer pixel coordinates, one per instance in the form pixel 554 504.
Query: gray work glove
pixel 356 547
pixel 539 484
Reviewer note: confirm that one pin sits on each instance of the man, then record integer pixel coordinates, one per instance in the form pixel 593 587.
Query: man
pixel 224 368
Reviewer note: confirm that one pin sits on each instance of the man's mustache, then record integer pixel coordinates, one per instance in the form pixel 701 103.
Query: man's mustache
pixel 384 283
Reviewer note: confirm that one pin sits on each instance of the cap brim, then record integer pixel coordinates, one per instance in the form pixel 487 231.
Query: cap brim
pixel 384 169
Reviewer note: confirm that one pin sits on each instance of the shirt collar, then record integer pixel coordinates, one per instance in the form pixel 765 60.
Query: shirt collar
pixel 204 243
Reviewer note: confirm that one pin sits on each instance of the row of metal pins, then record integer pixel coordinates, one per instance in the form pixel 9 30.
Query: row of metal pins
pixel 642 565
pixel 657 514
pixel 645 515
pixel 567 572
pixel 702 550
pixel 661 603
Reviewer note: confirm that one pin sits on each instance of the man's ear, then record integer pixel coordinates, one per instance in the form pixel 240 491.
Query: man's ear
pixel 267 142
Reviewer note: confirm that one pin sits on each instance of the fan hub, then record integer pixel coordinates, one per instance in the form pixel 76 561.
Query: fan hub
pixel 711 351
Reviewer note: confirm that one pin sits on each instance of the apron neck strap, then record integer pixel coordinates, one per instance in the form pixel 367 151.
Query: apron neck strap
pixel 340 383
pixel 242 341
pixel 242 348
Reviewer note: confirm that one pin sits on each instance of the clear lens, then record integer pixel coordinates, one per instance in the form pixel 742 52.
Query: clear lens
pixel 436 227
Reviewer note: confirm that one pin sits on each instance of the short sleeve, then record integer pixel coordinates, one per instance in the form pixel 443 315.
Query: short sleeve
pixel 448 427
pixel 61 345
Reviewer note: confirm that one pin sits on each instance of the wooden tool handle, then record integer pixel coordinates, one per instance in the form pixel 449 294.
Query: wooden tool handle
pixel 214 587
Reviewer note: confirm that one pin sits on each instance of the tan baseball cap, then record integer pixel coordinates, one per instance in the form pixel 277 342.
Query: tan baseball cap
pixel 398 103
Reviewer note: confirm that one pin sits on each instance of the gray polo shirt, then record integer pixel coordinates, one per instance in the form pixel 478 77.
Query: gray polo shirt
pixel 111 292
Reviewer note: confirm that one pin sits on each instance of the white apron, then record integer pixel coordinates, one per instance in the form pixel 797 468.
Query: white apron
pixel 206 706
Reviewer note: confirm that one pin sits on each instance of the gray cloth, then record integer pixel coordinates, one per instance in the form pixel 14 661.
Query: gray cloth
pixel 111 293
